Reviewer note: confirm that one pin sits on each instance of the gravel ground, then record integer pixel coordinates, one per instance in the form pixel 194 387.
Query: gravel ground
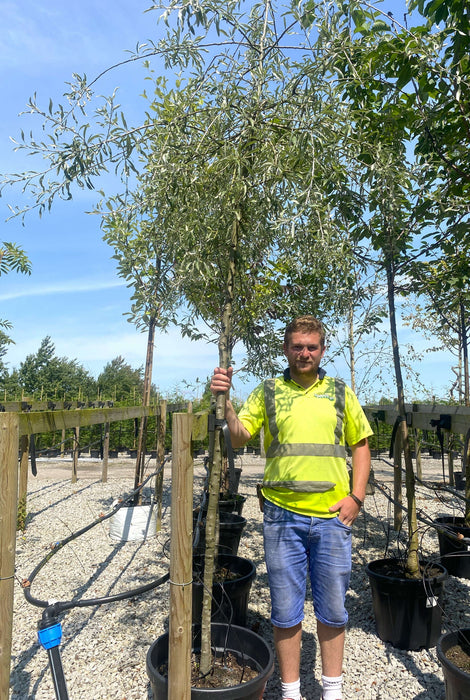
pixel 104 647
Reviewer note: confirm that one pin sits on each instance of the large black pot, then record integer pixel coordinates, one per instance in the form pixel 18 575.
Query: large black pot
pixel 455 555
pixel 229 503
pixel 232 504
pixel 230 597
pixel 457 681
pixel 408 612
pixel 243 643
pixel 231 527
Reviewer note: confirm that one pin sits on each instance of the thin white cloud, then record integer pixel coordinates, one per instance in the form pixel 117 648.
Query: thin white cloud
pixel 65 287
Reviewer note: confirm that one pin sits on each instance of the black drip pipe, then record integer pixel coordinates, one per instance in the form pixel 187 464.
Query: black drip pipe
pixel 49 636
pixel 49 628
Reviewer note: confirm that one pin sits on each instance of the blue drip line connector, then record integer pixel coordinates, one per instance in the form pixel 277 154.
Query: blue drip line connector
pixel 50 637
pixel 49 628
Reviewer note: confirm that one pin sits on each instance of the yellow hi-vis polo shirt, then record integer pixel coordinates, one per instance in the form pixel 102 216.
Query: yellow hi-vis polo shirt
pixel 305 436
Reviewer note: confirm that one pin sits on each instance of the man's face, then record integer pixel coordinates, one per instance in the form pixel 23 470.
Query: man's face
pixel 304 353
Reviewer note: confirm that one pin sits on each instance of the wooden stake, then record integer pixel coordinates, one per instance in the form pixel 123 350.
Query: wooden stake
pixel 449 442
pixel 24 463
pixel 181 561
pixel 419 468
pixel 161 433
pixel 104 467
pixel 9 434
pixel 76 443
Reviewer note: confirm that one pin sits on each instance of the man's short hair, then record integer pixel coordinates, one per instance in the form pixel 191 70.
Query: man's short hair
pixel 305 324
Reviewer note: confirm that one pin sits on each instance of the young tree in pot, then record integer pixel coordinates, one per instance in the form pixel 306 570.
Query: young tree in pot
pixel 234 175
pixel 235 189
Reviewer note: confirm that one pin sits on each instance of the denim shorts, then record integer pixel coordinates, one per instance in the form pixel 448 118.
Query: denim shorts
pixel 295 544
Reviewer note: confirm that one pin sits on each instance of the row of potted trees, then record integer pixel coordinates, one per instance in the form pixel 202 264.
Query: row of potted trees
pixel 242 660
pixel 407 610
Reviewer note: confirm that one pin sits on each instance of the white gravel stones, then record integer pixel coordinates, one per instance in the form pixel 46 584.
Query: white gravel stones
pixel 104 647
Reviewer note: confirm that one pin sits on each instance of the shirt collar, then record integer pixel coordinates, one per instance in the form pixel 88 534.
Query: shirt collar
pixel 287 377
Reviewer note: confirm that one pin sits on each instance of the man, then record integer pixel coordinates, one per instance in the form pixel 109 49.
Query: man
pixel 308 507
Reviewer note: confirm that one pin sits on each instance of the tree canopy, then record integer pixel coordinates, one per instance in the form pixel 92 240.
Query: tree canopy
pixel 303 146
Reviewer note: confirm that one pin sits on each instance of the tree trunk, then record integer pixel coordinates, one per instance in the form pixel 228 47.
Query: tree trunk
pixel 142 437
pixel 215 469
pixel 352 353
pixel 412 560
pixel 463 329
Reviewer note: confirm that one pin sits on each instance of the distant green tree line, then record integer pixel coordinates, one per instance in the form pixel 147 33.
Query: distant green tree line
pixel 44 376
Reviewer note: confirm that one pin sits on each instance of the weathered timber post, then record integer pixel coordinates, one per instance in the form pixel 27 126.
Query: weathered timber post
pixel 181 560
pixel 75 449
pixel 9 434
pixel 161 433
pixel 449 442
pixel 24 462
pixel 397 481
pixel 104 468
pixel 419 466
pixel 62 444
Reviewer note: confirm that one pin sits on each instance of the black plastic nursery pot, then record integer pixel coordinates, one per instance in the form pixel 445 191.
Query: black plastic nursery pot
pixel 229 597
pixel 456 680
pixel 232 504
pixel 408 612
pixel 455 555
pixel 231 527
pixel 247 646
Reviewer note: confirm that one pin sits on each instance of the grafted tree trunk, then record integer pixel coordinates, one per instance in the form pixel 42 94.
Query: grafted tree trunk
pixel 412 560
pixel 215 469
pixel 142 437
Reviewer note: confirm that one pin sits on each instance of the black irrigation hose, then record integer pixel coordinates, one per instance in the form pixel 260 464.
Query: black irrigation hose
pixel 439 528
pixel 67 605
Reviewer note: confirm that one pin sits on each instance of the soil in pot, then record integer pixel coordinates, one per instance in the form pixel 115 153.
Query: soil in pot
pixel 453 652
pixel 245 647
pixel 460 656
pixel 407 611
pixel 455 554
pixel 227 671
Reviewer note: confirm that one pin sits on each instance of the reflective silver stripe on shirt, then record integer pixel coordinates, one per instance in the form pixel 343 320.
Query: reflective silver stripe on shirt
pixel 306 449
pixel 302 486
pixel 276 449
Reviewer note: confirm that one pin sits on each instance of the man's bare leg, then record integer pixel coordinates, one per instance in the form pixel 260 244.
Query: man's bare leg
pixel 331 641
pixel 332 648
pixel 287 643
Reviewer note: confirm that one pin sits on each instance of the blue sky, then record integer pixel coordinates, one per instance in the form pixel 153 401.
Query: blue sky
pixel 73 293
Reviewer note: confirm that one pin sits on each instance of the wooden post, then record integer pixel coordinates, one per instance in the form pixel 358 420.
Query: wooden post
pixel 161 434
pixel 397 482
pixel 76 439
pixel 449 442
pixel 9 434
pixel 24 463
pixel 62 444
pixel 181 560
pixel 104 469
pixel 419 466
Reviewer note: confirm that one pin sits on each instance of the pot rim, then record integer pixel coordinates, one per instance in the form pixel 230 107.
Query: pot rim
pixel 441 655
pixel 402 579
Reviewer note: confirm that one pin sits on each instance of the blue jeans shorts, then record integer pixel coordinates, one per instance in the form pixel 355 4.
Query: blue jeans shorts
pixel 295 544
